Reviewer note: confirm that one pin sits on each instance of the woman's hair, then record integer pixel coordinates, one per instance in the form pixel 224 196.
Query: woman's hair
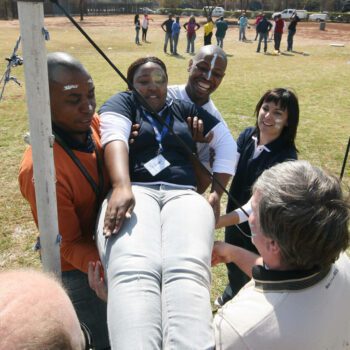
pixel 192 19
pixel 141 61
pixel 288 101
pixel 136 18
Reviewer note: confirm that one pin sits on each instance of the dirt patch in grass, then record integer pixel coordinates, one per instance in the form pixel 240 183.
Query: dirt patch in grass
pixel 335 32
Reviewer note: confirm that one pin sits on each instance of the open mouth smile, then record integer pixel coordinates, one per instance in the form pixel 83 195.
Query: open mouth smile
pixel 203 86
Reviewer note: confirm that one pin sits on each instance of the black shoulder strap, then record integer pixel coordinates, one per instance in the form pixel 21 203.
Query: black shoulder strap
pixel 98 189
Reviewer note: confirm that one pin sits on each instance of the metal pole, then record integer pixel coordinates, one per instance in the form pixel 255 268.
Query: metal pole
pixel 31 17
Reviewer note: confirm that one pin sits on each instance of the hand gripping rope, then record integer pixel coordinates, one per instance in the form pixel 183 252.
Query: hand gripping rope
pixel 153 113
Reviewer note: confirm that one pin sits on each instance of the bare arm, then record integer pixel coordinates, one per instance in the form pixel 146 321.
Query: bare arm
pixel 216 192
pixel 228 253
pixel 202 177
pixel 121 202
pixel 196 127
pixel 228 219
pixel 236 216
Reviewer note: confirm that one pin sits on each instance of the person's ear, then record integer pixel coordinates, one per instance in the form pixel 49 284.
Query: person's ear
pixel 273 247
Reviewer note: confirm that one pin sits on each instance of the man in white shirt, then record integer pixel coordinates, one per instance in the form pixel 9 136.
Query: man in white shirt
pixel 206 72
pixel 298 297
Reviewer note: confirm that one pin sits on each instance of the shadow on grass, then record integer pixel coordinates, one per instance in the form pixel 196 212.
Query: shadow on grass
pixel 301 53
pixel 179 56
pixel 286 54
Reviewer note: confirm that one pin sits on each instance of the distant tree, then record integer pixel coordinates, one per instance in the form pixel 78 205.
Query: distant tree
pixel 7 8
pixel 312 5
pixel 209 6
pixel 255 6
pixel 170 3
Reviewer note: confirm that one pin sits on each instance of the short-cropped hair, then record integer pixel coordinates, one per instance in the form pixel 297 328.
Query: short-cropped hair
pixel 305 211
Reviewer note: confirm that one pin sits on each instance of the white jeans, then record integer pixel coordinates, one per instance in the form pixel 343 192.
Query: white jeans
pixel 158 272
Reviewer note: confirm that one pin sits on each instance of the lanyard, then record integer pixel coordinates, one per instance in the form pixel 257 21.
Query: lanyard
pixel 159 134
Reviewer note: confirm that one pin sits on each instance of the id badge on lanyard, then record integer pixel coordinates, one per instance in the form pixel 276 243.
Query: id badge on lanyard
pixel 158 163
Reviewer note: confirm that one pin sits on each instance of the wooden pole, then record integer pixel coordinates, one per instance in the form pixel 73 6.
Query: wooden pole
pixel 31 17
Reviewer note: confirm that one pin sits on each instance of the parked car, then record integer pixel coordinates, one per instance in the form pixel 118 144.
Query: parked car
pixel 287 13
pixel 146 10
pixel 318 17
pixel 217 11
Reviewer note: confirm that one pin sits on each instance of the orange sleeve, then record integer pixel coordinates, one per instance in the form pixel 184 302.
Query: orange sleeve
pixel 77 250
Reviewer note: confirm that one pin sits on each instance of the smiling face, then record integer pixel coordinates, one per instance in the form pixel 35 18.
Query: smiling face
pixel 271 121
pixel 151 82
pixel 72 98
pixel 206 74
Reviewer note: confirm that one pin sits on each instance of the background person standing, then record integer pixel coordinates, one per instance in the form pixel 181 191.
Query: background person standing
pixel 277 37
pixel 175 32
pixel 243 23
pixel 137 29
pixel 221 28
pixel 258 19
pixel 292 28
pixel 191 27
pixel 263 29
pixel 167 27
pixel 145 24
pixel 208 31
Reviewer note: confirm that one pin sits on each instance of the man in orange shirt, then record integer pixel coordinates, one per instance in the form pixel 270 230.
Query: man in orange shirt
pixel 81 184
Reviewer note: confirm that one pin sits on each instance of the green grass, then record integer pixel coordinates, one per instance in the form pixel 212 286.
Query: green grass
pixel 321 79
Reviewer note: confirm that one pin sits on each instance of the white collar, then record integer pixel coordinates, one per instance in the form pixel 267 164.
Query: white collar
pixel 258 149
pixel 207 106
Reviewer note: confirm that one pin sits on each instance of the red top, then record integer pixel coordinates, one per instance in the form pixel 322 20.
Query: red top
pixel 258 19
pixel 76 201
pixel 279 25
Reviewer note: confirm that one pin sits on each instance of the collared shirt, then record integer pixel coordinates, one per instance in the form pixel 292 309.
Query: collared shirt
pixel 289 310
pixel 179 92
pixel 123 109
pixel 258 149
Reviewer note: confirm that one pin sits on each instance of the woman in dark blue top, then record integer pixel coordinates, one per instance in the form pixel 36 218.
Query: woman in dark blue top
pixel 157 256
pixel 271 141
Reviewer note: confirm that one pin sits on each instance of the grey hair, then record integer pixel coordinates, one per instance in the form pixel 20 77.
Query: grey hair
pixel 304 210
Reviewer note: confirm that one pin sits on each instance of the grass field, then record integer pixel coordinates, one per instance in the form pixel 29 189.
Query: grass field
pixel 318 73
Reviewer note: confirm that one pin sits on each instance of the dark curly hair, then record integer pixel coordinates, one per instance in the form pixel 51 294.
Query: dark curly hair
pixel 141 61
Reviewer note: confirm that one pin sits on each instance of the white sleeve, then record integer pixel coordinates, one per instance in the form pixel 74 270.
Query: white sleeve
pixel 225 149
pixel 242 216
pixel 114 126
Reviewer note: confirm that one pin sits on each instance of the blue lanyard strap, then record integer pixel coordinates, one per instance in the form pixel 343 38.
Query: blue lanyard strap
pixel 156 126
